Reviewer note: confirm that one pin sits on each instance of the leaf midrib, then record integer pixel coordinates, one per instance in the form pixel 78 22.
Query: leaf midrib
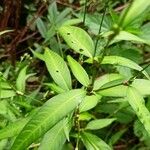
pixel 43 122
pixel 60 73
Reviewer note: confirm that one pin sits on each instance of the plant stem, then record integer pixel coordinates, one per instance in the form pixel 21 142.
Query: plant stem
pixel 85 11
pixel 99 31
pixel 96 44
pixel 59 43
pixel 127 83
pixel 77 122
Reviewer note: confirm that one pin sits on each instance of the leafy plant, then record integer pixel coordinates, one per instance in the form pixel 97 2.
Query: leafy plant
pixel 90 92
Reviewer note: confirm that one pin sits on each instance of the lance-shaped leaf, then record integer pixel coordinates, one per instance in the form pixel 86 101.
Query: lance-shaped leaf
pixel 121 61
pixel 99 123
pixel 78 71
pixel 78 40
pixel 108 90
pixel 92 142
pixel 99 82
pixel 6 93
pixel 3 144
pixel 13 129
pixel 116 136
pixel 55 138
pixel 136 101
pixel 89 102
pixel 21 79
pixel 118 91
pixel 4 85
pixel 57 69
pixel 54 87
pixel 41 27
pixel 50 113
pixel 142 85
pixel 126 36
pixel 133 12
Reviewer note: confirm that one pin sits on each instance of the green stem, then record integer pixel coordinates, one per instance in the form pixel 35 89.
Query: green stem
pixel 96 44
pixel 78 128
pixel 85 11
pixel 59 43
pixel 99 31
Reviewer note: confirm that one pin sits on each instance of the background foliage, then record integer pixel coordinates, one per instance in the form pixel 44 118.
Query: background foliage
pixel 75 75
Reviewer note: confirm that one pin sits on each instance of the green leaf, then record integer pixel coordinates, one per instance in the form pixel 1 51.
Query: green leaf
pixel 55 137
pixel 86 116
pixel 78 71
pixel 21 79
pixel 5 86
pixel 38 55
pixel 41 27
pixel 116 137
pixel 63 16
pixel 133 12
pixel 140 131
pixel 121 61
pixel 99 123
pixel 126 36
pixel 57 69
pixel 117 91
pixel 92 142
pixel 113 84
pixel 50 113
pixel 99 82
pixel 55 87
pixel 13 129
pixel 72 22
pixel 78 40
pixel 7 93
pixel 142 85
pixel 89 102
pixel 3 144
pixel 136 101
pixel 67 146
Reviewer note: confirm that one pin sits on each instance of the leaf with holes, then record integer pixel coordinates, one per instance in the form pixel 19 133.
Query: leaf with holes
pixel 57 69
pixel 50 113
pixel 78 40
pixel 78 71
pixel 136 101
